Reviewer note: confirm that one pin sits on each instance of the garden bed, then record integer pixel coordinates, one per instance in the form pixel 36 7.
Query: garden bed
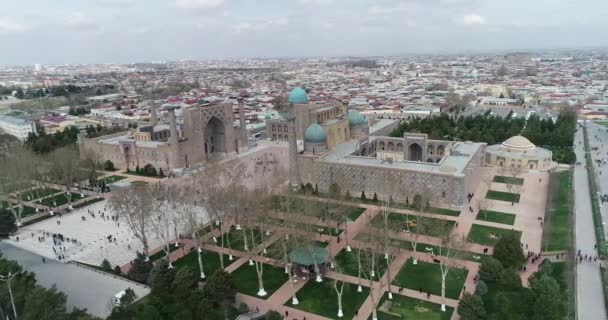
pixel 503 196
pixel 489 236
pixel 427 277
pixel 496 216
pixel 509 180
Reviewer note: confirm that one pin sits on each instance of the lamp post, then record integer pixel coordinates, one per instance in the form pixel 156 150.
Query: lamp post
pixel 8 279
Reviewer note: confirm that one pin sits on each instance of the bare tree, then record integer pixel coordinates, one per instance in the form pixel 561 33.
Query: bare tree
pixel 338 286
pixel 451 246
pixel 135 206
pixel 195 216
pixel 64 165
pixel 17 171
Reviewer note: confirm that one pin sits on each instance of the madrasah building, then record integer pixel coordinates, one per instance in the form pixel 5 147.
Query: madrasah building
pixel 208 131
pixel 328 145
pixel 344 148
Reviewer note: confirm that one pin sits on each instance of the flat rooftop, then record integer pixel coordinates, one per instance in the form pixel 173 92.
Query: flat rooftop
pixel 144 144
pixel 453 164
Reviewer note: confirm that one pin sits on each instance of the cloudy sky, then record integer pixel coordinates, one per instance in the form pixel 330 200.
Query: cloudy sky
pixel 106 31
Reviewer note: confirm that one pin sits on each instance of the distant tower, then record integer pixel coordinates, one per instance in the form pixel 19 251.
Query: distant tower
pixel 174 139
pixel 153 115
pixel 243 123
pixel 297 96
pixel 294 172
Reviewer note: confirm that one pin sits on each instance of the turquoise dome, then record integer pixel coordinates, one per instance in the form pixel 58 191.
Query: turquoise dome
pixel 267 117
pixel 355 118
pixel 298 96
pixel 315 133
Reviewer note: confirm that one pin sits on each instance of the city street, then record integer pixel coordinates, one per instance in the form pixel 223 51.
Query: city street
pixel 598 137
pixel 84 287
pixel 589 292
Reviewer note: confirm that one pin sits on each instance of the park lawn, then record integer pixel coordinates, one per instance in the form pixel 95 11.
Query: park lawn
pixel 317 209
pixel 564 275
pixel 38 193
pixel 509 180
pixel 355 213
pixel 59 199
pixel 139 183
pixel 482 234
pixel 496 216
pixel 321 299
pixel 427 276
pixel 445 212
pixel 161 254
pixel 503 196
pixel 133 173
pixel 323 230
pixel 397 222
pixel 28 211
pixel 558 226
pixel 211 261
pixel 246 279
pixel 427 248
pixel 402 307
pixel 237 242
pixel 347 262
pixel 275 250
pixel 112 179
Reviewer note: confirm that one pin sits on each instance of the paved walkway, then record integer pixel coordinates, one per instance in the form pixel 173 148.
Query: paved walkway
pixel 85 288
pixel 589 292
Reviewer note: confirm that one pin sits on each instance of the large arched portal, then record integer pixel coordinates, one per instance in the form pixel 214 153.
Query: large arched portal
pixel 415 151
pixel 215 136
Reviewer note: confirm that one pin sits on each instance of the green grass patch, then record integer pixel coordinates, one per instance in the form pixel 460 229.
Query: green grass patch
pixel 275 249
pixel 37 193
pixel 428 248
pixel 503 196
pixel 496 216
pixel 402 308
pixel 355 213
pixel 509 180
pixel 236 238
pixel 323 230
pixel 321 299
pixel 427 276
pixel 112 179
pixel 161 254
pixel 421 225
pixel 59 200
pixel 246 279
pixel 133 173
pixel 347 262
pixel 445 212
pixel 211 261
pixel 488 235
pixel 558 225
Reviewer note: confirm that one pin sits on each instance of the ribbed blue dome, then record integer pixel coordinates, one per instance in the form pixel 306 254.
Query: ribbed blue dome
pixel 355 118
pixel 315 133
pixel 298 96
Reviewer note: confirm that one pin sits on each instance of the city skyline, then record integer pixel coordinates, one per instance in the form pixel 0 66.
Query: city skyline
pixel 126 31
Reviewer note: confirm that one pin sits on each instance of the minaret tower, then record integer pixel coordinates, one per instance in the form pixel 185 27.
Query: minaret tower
pixel 243 123
pixel 297 96
pixel 174 139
